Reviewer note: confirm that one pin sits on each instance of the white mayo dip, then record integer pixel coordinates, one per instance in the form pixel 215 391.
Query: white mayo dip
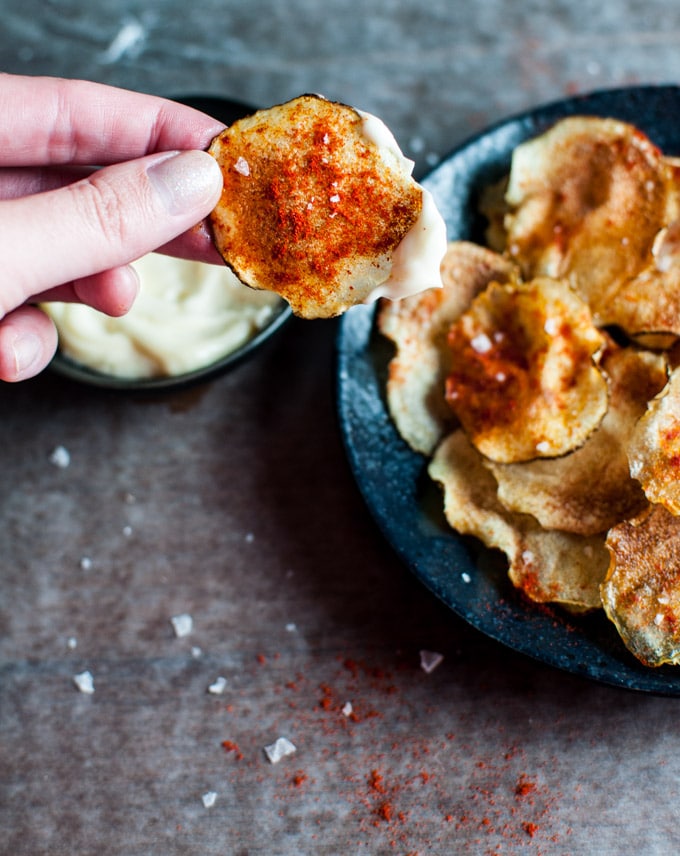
pixel 186 316
pixel 416 262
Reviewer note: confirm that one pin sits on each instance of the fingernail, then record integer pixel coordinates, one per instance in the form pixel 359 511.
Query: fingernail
pixel 186 181
pixel 27 348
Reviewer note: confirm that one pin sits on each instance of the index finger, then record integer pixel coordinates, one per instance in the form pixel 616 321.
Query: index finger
pixel 49 120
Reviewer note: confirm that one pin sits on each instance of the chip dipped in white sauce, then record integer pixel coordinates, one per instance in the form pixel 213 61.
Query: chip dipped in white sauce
pixel 186 316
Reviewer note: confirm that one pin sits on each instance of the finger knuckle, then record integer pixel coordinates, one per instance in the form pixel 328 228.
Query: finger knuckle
pixel 103 207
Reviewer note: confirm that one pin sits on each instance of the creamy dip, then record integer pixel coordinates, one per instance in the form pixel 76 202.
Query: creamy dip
pixel 416 262
pixel 186 316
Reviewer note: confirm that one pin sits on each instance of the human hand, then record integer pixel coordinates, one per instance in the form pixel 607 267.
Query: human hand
pixel 91 178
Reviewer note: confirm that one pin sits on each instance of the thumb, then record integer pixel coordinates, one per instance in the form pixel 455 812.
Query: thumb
pixel 108 219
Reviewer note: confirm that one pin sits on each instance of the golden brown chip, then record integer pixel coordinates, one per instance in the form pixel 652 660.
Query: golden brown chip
pixel 641 593
pixel 549 566
pixel 587 200
pixel 418 326
pixel 590 490
pixel 317 204
pixel 523 382
pixel 654 451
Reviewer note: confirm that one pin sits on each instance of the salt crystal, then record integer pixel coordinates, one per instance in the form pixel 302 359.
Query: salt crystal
pixel 551 326
pixel 466 577
pixel 84 682
pixel 481 343
pixel 291 628
pixel 658 618
pixel 347 708
pixel 279 749
pixel 209 799
pixel 664 600
pixel 127 531
pixel 242 166
pixel 218 687
pixel 86 563
pixel 527 556
pixel 60 457
pixel 183 624
pixel 543 446
pixel 429 660
pixel 196 652
pixel 72 642
pixel 334 198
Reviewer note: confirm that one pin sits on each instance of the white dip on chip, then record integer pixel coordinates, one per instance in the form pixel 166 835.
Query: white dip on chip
pixel 416 262
pixel 186 315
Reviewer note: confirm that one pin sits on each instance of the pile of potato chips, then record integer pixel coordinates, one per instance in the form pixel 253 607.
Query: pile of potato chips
pixel 543 380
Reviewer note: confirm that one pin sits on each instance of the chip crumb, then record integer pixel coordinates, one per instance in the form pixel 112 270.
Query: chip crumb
pixel 84 682
pixel 218 687
pixel 429 660
pixel 209 799
pixel 182 624
pixel 60 457
pixel 279 749
pixel 347 708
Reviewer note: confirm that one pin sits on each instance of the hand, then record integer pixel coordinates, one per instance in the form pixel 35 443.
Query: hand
pixel 91 178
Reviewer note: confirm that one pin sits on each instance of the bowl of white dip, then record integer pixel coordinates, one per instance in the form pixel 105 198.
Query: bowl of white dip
pixel 190 321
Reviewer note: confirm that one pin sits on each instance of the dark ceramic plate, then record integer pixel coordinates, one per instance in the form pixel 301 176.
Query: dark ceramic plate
pixel 226 111
pixel 393 479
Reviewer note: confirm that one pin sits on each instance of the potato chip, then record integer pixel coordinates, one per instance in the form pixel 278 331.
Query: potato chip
pixel 419 325
pixel 654 451
pixel 523 382
pixel 587 200
pixel 549 566
pixel 641 593
pixel 319 206
pixel 591 489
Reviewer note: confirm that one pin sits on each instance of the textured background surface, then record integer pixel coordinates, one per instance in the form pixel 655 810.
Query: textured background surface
pixel 234 503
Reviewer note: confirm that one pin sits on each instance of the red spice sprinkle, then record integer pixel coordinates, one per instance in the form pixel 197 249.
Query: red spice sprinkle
pixel 375 782
pixel 261 659
pixel 524 786
pixel 230 746
pixel 299 779
pixel 531 828
pixel 385 811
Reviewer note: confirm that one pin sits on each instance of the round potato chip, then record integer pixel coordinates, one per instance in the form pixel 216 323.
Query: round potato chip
pixel 418 326
pixel 654 450
pixel 590 490
pixel 641 592
pixel 319 206
pixel 548 566
pixel 587 200
pixel 523 382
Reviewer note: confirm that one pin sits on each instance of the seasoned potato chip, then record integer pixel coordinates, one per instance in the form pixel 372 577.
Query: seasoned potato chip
pixel 654 451
pixel 549 566
pixel 523 382
pixel 419 325
pixel 641 593
pixel 591 489
pixel 587 201
pixel 319 206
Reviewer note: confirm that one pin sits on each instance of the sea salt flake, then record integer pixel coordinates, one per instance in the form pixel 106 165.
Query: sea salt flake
pixel 334 198
pixel 291 627
pixel 72 642
pixel 347 708
pixel 84 682
pixel 543 446
pixel 279 749
pixel 127 531
pixel 551 326
pixel 196 652
pixel 218 687
pixel 658 619
pixel 527 556
pixel 86 563
pixel 209 799
pixel 182 624
pixel 242 166
pixel 481 343
pixel 60 457
pixel 466 577
pixel 429 660
pixel 664 600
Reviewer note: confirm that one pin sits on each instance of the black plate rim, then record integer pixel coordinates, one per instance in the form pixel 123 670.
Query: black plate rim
pixel 586 647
